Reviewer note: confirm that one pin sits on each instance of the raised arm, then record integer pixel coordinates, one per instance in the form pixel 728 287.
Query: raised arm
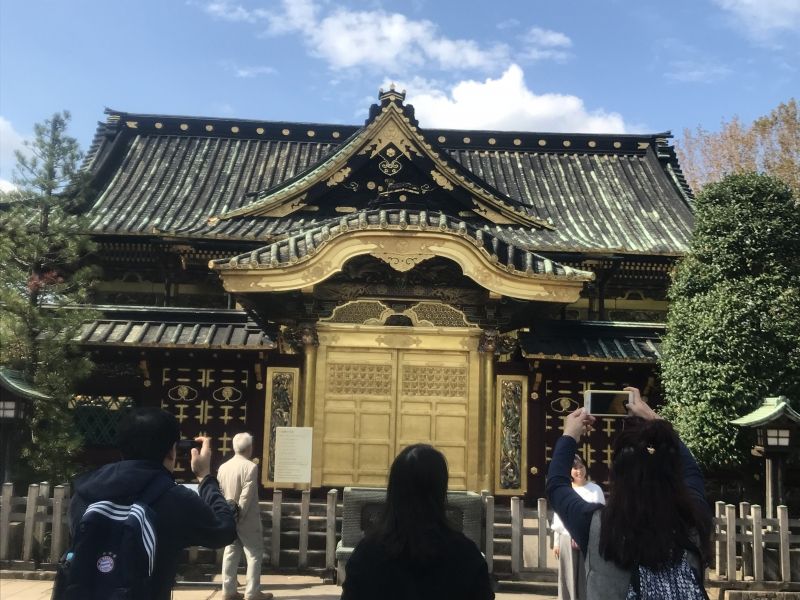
pixel 574 511
pixel 211 518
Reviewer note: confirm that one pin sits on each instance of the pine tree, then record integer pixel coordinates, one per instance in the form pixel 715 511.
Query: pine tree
pixel 734 320
pixel 43 276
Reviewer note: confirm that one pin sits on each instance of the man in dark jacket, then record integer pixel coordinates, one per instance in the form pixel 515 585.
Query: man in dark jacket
pixel 147 439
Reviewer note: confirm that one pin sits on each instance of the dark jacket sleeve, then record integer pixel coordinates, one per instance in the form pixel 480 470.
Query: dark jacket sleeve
pixel 209 518
pixel 575 512
pixel 695 484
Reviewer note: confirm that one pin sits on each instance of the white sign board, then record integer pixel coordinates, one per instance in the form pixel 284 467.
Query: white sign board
pixel 292 454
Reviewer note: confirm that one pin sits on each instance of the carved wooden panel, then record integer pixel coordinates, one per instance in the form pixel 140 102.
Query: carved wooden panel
pixel 281 411
pixel 424 380
pixel 359 379
pixel 511 448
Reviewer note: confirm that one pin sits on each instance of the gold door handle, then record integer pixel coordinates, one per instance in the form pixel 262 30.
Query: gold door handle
pixel 534 471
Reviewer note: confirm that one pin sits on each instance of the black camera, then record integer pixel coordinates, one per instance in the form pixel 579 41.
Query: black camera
pixel 187 445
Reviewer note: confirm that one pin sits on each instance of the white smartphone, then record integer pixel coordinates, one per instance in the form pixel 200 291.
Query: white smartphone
pixel 607 403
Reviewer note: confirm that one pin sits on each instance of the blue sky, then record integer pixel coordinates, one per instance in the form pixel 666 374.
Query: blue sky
pixel 566 65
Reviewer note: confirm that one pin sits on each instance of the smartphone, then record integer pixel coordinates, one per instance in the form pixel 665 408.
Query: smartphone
pixel 187 445
pixel 607 403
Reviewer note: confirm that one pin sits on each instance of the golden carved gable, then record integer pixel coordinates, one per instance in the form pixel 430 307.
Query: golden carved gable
pixel 390 136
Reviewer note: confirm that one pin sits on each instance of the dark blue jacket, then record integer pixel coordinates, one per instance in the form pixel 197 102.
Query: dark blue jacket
pixel 183 518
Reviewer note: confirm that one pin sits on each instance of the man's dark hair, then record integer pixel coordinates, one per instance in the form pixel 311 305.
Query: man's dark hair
pixel 147 434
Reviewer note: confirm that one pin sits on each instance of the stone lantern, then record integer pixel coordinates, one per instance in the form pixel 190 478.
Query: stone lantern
pixel 776 425
pixel 16 393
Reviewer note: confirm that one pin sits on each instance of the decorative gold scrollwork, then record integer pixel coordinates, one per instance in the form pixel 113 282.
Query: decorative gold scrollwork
pixel 339 176
pixel 441 180
pixel 390 168
pixel 511 431
pixel 227 393
pixel 182 393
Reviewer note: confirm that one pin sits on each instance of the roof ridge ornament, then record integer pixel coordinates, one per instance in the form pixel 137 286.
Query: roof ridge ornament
pixel 392 95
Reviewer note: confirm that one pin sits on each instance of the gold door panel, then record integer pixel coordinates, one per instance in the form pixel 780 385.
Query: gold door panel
pixel 380 389
pixel 432 406
pixel 359 416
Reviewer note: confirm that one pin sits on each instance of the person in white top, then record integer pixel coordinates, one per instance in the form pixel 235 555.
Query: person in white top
pixel 238 480
pixel 571 574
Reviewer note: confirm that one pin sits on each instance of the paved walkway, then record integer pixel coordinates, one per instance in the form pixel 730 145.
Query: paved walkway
pixel 284 587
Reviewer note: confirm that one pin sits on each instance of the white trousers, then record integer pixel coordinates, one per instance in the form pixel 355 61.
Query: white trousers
pixel 253 553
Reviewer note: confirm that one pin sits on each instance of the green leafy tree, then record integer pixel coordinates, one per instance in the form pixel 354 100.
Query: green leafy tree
pixel 734 320
pixel 43 276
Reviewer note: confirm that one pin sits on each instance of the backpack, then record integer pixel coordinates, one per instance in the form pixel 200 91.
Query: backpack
pixel 114 550
pixel 678 581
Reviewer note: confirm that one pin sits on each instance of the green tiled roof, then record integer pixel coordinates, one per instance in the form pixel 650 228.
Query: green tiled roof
pixel 168 176
pixel 16 383
pixel 772 409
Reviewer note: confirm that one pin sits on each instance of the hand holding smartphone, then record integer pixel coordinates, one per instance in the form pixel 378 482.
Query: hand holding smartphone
pixel 184 446
pixel 607 403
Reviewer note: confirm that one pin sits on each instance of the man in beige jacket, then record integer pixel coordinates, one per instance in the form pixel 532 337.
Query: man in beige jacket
pixel 238 480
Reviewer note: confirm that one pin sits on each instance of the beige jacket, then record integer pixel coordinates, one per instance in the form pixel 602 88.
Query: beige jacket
pixel 238 480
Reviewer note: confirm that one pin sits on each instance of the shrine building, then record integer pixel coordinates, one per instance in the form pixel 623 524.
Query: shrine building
pixel 385 284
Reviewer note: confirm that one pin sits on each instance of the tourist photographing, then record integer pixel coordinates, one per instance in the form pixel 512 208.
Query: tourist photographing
pixel 413 552
pixel 571 573
pixel 651 539
pixel 130 520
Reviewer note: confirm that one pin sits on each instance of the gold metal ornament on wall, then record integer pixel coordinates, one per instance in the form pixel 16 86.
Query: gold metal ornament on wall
pixel 182 393
pixel 339 176
pixel 441 180
pixel 227 393
pixel 512 420
pixel 283 384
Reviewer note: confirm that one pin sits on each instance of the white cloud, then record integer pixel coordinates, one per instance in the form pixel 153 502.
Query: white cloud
pixel 7 186
pixel 249 72
pixel 697 71
pixel 508 24
pixel 236 13
pixel 372 38
pixel 10 140
pixel 297 15
pixel 548 38
pixel 506 103
pixel 546 44
pixel 762 18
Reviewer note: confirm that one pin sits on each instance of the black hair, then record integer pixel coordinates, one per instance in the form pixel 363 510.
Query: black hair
pixel 650 517
pixel 414 523
pixel 147 434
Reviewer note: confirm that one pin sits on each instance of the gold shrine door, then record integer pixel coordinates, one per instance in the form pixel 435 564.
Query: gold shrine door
pixel 380 389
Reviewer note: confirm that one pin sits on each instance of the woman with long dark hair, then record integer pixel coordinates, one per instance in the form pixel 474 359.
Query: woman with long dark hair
pixel 651 539
pixel 413 552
